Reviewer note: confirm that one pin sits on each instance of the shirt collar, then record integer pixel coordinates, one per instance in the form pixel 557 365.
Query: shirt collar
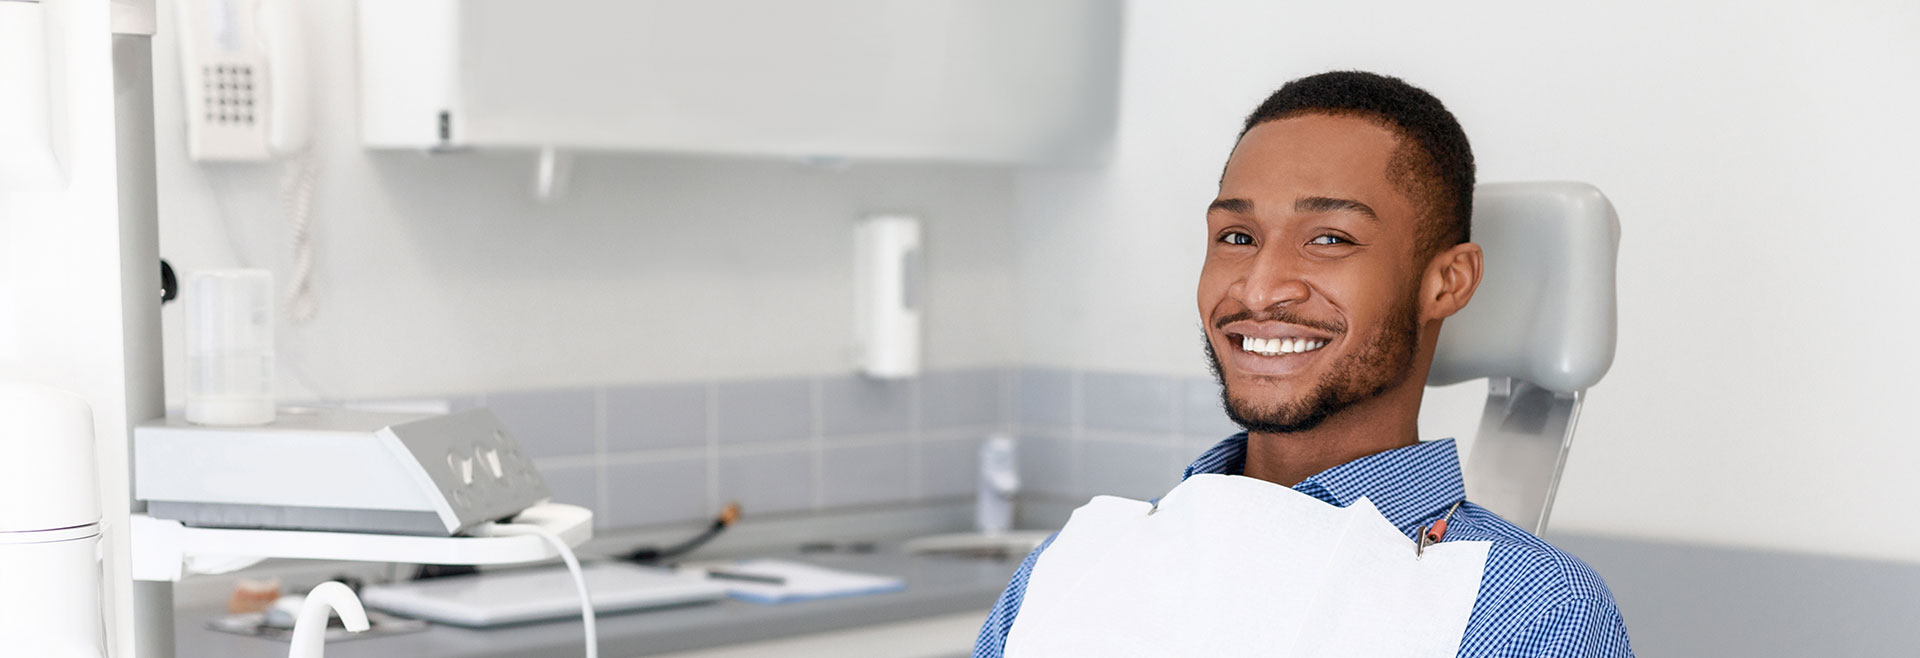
pixel 1410 485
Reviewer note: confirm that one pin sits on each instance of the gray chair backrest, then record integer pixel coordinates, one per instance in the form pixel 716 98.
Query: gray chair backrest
pixel 1544 312
pixel 1541 328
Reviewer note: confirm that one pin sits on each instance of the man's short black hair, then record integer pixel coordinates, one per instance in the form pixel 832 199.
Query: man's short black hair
pixel 1437 175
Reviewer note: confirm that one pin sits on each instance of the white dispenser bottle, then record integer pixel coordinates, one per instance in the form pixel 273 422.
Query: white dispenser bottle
pixel 49 526
pixel 886 289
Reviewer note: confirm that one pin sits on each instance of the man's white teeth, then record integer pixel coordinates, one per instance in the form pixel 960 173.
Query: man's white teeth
pixel 1278 346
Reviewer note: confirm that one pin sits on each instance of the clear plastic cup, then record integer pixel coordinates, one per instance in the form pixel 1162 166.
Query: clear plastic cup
pixel 229 347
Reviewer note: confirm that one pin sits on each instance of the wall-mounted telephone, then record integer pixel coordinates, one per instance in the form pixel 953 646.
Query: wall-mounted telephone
pixel 243 64
pixel 245 73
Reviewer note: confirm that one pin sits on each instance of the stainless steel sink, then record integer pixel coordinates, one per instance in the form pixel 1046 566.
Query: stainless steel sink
pixel 1004 546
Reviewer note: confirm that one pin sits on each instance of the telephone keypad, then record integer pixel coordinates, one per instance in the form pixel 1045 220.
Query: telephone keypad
pixel 228 93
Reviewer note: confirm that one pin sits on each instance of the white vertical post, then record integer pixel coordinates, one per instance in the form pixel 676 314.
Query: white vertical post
pixel 80 309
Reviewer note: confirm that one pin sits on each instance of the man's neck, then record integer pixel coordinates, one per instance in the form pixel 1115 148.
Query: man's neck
pixel 1371 427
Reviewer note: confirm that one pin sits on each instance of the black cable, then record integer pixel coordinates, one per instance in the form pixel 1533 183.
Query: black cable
pixel 169 284
pixel 653 554
pixel 431 571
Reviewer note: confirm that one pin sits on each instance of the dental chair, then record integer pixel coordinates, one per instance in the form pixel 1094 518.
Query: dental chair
pixel 1540 329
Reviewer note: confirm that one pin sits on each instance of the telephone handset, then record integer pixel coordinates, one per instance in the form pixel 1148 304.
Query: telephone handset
pixel 244 66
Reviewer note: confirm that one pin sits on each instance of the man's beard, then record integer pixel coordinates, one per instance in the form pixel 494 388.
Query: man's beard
pixel 1384 363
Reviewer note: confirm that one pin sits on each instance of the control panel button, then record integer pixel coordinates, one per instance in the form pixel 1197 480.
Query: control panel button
pixel 492 458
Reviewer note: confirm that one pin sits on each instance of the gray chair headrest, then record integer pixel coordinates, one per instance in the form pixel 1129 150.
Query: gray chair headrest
pixel 1544 312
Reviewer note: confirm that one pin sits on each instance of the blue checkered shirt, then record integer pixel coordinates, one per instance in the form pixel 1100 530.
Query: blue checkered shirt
pixel 1534 599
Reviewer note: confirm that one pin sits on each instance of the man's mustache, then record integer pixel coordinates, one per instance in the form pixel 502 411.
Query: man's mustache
pixel 1280 314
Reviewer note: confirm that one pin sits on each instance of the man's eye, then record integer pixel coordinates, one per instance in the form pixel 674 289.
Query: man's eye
pixel 1329 240
pixel 1237 237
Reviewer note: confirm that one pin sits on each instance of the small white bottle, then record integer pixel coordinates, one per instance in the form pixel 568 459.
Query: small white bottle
pixel 229 347
pixel 999 482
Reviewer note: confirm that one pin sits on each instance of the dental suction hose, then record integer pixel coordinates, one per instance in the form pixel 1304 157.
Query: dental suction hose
pixel 49 523
pixel 573 567
pixel 310 629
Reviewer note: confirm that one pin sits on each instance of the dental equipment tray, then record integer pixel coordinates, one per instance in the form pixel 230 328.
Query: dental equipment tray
pixel 337 470
pixel 538 594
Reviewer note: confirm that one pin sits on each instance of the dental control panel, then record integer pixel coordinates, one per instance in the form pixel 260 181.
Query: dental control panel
pixel 337 470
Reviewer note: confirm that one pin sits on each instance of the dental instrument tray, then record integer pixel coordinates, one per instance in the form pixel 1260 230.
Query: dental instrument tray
pixel 336 470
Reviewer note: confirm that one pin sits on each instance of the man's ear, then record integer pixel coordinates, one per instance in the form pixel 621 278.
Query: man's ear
pixel 1452 276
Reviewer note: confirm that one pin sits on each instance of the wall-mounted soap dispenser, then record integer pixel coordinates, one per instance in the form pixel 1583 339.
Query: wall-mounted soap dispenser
pixel 887 296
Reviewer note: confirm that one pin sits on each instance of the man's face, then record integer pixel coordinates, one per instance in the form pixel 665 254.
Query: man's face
pixel 1309 292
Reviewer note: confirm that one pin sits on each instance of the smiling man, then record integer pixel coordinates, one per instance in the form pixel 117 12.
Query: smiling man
pixel 1337 245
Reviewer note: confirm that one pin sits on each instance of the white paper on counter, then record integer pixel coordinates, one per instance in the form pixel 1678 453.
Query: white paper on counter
pixel 1235 566
pixel 803 581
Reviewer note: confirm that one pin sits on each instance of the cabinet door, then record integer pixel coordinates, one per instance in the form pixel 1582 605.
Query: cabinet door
pixel 965 80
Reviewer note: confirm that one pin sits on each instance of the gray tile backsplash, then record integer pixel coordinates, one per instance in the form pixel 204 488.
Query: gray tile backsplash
pixel 1044 397
pixel 653 492
pixel 1201 414
pixel 866 474
pixel 768 483
pixel 961 398
pixel 576 485
pixel 1130 402
pixel 656 416
pixel 651 454
pixel 853 405
pixel 558 423
pixel 1126 468
pixel 1121 434
pixel 949 467
pixel 1046 467
pixel 764 410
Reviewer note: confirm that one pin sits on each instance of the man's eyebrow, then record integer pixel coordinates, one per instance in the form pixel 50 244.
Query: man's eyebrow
pixel 1238 206
pixel 1330 204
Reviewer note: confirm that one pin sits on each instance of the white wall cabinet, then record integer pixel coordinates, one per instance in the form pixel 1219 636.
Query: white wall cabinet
pixel 998 81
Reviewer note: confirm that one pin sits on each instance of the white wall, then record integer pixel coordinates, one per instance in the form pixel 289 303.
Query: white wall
pixel 1758 158
pixel 1761 156
pixel 442 274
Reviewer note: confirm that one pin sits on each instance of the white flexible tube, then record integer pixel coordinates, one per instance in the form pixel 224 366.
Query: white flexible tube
pixel 310 628
pixel 573 566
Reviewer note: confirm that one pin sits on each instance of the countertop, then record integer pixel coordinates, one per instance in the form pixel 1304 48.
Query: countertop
pixel 935 587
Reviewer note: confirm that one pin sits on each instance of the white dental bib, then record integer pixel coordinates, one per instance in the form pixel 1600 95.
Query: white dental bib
pixel 1234 566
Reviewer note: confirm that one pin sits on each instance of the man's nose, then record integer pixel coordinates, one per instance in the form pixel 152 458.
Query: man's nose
pixel 1276 278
